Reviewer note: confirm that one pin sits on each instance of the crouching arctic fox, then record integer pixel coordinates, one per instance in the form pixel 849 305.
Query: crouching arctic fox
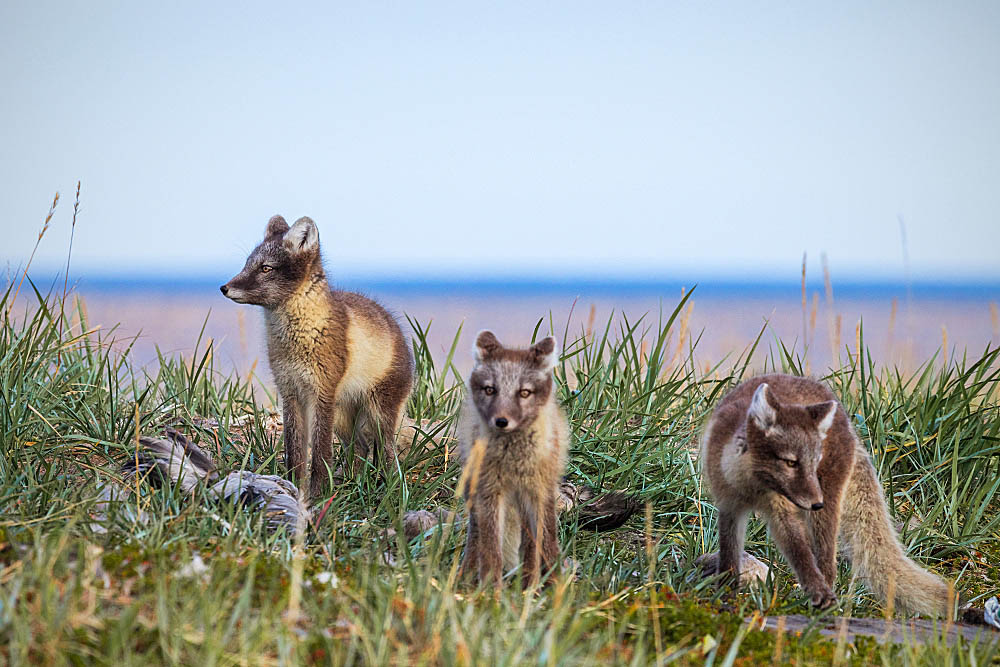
pixel 783 446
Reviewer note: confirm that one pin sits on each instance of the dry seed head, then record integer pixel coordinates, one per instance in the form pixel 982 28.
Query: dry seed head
pixel 682 335
pixel 24 273
pixel 812 315
pixel 804 339
pixel 836 335
pixel 827 284
pixel 48 218
pixel 470 471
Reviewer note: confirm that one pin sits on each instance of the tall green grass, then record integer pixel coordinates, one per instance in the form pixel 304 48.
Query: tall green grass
pixel 72 404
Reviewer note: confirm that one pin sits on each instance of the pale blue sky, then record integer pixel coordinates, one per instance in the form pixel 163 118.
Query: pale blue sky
pixel 579 139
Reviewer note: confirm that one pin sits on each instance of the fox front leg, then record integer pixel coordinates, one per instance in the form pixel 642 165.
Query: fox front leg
pixel 293 435
pixel 487 509
pixel 539 536
pixel 531 545
pixel 823 525
pixel 788 530
pixel 470 557
pixel 732 534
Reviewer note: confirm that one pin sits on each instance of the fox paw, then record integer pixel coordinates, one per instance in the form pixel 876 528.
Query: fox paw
pixel 823 598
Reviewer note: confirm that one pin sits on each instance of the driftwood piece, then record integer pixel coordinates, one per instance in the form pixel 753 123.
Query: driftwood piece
pixel 898 631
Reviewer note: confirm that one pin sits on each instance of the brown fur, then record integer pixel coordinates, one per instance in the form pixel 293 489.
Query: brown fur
pixel 512 491
pixel 830 492
pixel 341 362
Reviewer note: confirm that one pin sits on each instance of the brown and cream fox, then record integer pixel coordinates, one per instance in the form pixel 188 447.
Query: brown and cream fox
pixel 783 447
pixel 513 475
pixel 340 360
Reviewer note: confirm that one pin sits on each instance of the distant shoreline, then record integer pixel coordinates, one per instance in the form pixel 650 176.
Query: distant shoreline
pixel 902 325
pixel 727 289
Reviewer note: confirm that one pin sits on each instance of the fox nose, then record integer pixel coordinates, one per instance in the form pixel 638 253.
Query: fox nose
pixel 817 506
pixel 224 289
pixel 501 422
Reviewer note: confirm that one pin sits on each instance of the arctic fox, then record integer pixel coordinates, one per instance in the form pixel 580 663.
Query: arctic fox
pixel 513 442
pixel 783 446
pixel 341 362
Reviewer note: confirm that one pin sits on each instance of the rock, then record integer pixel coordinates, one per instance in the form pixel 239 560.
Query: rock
pixel 751 568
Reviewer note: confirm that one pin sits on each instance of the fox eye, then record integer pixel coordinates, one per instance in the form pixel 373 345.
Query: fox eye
pixel 489 390
pixel 264 268
pixel 791 464
pixel 524 393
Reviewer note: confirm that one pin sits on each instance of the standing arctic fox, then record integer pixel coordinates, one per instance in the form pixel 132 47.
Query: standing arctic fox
pixel 783 446
pixel 340 360
pixel 513 480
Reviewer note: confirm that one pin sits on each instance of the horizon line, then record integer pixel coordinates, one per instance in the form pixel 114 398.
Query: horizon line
pixel 604 283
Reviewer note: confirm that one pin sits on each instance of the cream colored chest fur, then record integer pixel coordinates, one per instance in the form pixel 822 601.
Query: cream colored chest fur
pixel 296 334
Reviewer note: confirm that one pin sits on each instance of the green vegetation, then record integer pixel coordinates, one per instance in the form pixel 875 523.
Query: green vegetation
pixel 125 592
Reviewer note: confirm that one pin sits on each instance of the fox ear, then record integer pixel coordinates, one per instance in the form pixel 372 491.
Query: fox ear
pixel 544 353
pixel 762 408
pixel 486 345
pixel 302 237
pixel 275 226
pixel 823 414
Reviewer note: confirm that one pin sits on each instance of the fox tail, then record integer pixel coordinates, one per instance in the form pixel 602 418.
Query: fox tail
pixel 870 541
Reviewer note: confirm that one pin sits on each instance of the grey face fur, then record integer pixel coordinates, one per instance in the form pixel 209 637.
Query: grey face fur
pixel 277 266
pixel 785 443
pixel 509 386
